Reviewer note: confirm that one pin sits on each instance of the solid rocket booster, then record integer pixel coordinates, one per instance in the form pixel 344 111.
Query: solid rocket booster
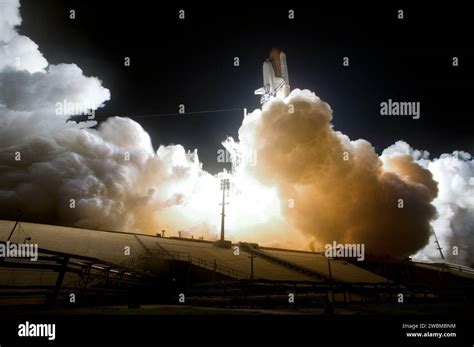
pixel 275 77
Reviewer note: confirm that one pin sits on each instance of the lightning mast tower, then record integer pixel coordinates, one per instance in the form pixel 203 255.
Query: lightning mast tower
pixel 224 187
pixel 222 243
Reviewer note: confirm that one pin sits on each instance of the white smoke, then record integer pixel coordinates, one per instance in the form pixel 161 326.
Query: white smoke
pixel 17 50
pixel 454 225
pixel 10 19
pixel 46 161
pixel 31 88
pixel 111 176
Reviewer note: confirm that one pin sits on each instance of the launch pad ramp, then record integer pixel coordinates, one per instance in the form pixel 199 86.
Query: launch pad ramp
pixel 280 261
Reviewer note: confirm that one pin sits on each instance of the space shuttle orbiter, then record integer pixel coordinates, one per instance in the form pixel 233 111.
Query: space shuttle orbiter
pixel 275 77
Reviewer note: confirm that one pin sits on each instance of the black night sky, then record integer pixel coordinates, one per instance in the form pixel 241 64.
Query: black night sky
pixel 190 62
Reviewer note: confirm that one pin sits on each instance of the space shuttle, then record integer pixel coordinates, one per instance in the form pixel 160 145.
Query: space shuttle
pixel 275 77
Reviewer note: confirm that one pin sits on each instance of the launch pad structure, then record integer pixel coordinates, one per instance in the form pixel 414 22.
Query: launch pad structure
pixel 92 265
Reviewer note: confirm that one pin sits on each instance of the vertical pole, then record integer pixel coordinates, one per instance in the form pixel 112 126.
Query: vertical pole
pixel 223 209
pixel 51 300
pixel 224 187
pixel 441 273
pixel 330 272
pixel 439 247
pixel 330 279
pixel 251 265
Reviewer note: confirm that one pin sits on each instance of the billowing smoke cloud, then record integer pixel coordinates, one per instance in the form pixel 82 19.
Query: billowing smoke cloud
pixel 454 225
pixel 334 189
pixel 109 175
pixel 297 182
pixel 17 50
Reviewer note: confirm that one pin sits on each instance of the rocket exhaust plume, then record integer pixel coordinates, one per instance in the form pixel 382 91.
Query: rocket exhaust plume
pixel 335 189
pixel 454 225
pixel 301 183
